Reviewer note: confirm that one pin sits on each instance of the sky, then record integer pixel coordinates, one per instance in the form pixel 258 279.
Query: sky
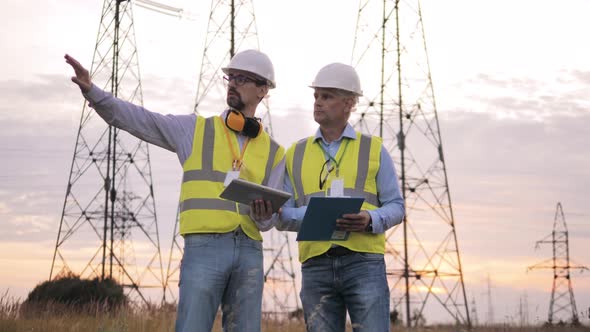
pixel 511 80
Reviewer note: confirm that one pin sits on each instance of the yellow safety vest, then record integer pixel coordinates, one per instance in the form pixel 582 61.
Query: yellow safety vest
pixel 201 209
pixel 358 168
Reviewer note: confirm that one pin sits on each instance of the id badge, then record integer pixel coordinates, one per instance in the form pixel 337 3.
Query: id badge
pixel 337 188
pixel 230 176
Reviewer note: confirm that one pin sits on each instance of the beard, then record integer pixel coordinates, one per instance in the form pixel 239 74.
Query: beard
pixel 235 101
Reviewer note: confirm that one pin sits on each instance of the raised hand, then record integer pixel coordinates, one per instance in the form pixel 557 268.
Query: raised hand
pixel 82 78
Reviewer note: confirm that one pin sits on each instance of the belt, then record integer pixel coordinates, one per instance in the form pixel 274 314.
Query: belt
pixel 337 252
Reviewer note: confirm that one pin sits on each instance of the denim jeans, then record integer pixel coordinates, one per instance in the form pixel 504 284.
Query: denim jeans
pixel 355 282
pixel 224 269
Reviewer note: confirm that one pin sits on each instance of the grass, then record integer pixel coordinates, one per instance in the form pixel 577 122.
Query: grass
pixel 15 317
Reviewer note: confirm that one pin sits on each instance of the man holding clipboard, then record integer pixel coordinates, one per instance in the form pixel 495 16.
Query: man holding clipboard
pixel 346 273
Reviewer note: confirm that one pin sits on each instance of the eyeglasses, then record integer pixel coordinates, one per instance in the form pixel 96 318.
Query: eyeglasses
pixel 241 80
pixel 328 171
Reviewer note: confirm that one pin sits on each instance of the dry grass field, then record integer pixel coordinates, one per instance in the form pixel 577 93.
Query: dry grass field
pixel 14 316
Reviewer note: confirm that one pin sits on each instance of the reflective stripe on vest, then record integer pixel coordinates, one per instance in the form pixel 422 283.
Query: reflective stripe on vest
pixel 201 209
pixel 207 173
pixel 362 171
pixel 361 183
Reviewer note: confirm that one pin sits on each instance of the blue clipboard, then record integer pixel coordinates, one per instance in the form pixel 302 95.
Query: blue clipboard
pixel 319 222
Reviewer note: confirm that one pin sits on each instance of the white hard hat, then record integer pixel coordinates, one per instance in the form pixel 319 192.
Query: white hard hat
pixel 255 62
pixel 339 76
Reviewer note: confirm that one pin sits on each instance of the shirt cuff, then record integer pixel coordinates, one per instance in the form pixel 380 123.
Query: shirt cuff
pixel 376 221
pixel 290 219
pixel 267 224
pixel 94 95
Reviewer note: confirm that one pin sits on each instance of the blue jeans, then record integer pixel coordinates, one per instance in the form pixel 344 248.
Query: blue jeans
pixel 355 282
pixel 224 269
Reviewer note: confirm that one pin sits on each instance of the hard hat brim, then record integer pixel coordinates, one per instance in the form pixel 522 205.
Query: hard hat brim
pixel 271 84
pixel 335 87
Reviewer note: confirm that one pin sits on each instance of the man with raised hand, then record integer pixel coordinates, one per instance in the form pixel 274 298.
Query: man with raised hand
pixel 222 263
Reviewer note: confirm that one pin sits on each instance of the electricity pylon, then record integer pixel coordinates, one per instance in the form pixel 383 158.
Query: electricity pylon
pixel 473 316
pixel 422 253
pixel 108 227
pixel 523 310
pixel 232 28
pixel 562 301
pixel 490 316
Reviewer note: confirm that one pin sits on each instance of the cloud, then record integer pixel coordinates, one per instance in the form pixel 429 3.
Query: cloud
pixel 31 224
pixel 48 105
pixel 173 95
pixel 42 88
pixel 23 221
pixel 537 98
pixel 4 209
pixel 582 76
pixel 486 142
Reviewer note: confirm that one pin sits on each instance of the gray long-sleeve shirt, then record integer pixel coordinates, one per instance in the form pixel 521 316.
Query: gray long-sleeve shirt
pixel 171 132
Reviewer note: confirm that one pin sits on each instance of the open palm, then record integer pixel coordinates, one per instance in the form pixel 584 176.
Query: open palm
pixel 82 78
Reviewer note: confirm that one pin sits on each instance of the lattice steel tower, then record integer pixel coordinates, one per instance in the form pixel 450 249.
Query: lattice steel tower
pixel 473 315
pixel 490 316
pixel 422 255
pixel 232 28
pixel 108 225
pixel 562 301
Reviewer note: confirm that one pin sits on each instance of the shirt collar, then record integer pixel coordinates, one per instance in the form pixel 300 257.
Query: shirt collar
pixel 348 133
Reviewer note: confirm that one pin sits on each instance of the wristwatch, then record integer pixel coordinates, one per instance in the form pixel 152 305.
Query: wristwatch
pixel 369 228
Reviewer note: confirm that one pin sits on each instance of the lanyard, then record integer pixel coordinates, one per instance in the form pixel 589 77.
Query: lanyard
pixel 332 158
pixel 238 161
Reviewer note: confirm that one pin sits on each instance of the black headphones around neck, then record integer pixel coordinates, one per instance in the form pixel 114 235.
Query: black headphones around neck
pixel 238 122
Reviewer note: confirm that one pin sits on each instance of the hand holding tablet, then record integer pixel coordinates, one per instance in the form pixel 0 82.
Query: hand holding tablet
pixel 242 191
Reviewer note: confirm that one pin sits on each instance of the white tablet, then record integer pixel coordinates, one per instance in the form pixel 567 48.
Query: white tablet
pixel 245 192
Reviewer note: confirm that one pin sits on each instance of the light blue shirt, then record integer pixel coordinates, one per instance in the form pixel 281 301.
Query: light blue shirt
pixel 391 204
